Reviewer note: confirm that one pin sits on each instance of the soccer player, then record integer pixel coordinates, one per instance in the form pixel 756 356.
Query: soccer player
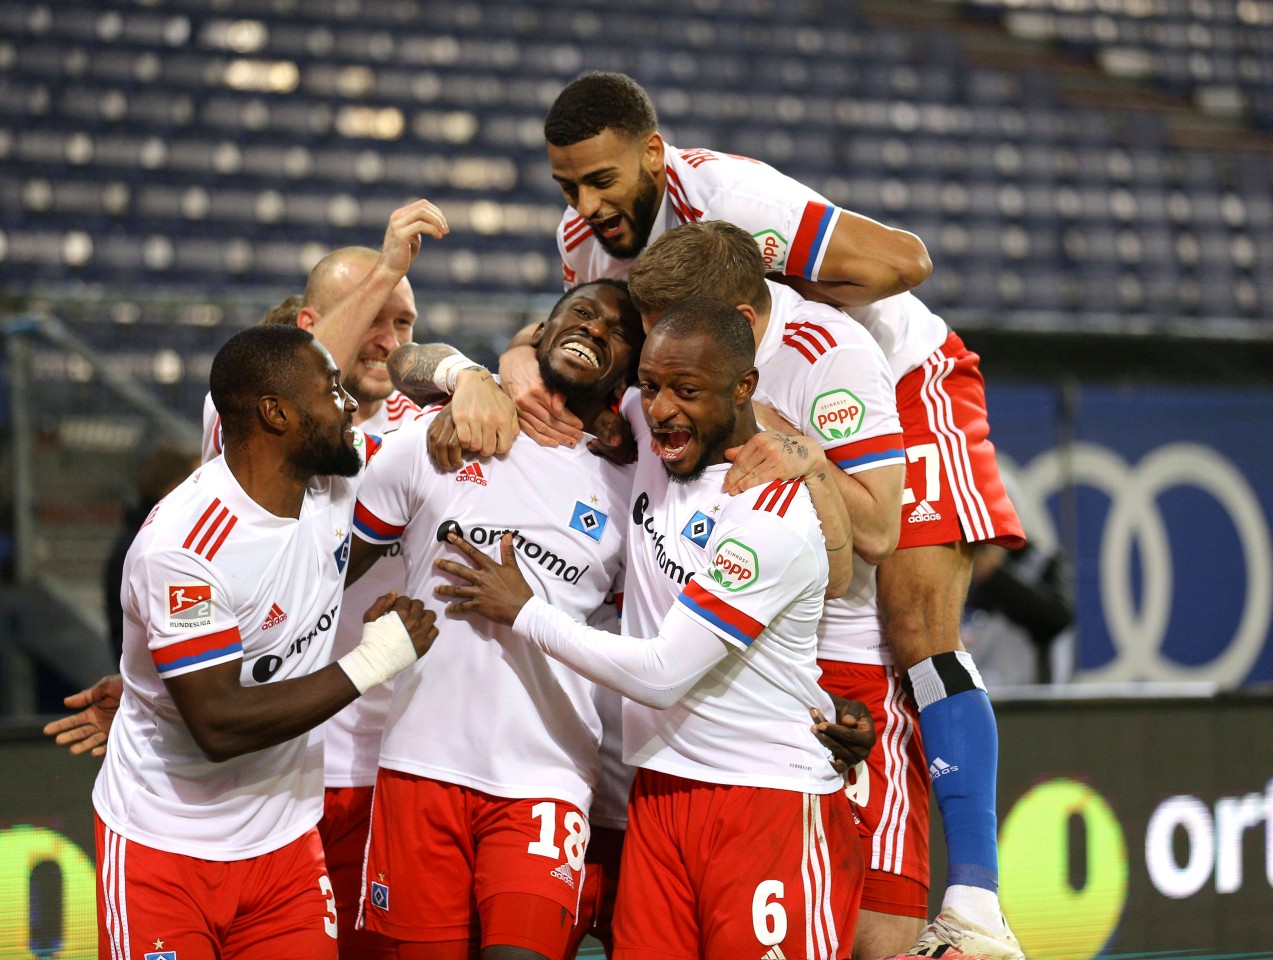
pixel 821 370
pixel 211 789
pixel 489 763
pixel 740 840
pixel 626 186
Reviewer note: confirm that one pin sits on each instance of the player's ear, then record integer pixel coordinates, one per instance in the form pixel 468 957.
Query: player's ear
pixel 538 334
pixel 306 318
pixel 748 311
pixel 652 154
pixel 745 386
pixel 275 414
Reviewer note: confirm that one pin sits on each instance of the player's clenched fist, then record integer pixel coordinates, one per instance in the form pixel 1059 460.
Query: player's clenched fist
pixel 397 631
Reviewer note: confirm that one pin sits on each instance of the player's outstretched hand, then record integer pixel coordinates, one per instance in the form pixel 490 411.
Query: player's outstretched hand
pixel 850 738
pixel 542 412
pixel 771 456
pixel 497 591
pixel 420 622
pixel 485 418
pixel 87 730
pixel 614 440
pixel 406 226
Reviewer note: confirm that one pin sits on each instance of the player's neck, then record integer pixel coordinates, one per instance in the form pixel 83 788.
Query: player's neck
pixel 588 411
pixel 266 478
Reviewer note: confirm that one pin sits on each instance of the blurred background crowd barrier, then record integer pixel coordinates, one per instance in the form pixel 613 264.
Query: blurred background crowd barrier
pixel 1093 179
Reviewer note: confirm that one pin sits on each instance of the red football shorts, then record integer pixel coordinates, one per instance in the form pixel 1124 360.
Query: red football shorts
pixel 892 799
pixel 600 887
pixel 953 488
pixel 278 905
pixel 725 871
pixel 343 830
pixel 447 862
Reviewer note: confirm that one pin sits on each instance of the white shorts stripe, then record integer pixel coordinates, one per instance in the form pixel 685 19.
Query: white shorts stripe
pixel 881 838
pixel 110 880
pixel 121 884
pixel 807 880
pixel 824 856
pixel 898 768
pixel 969 504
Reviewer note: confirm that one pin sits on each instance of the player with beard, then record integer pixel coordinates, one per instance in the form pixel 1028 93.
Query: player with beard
pixel 213 781
pixel 479 828
pixel 605 149
pixel 740 840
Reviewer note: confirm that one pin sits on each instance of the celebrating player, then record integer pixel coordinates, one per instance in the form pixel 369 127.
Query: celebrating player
pixel 489 762
pixel 626 186
pixel 740 838
pixel 212 785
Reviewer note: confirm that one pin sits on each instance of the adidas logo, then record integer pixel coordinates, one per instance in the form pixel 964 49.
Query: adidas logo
pixel 939 768
pixel 774 953
pixel 275 617
pixel 923 513
pixel 471 474
pixel 562 872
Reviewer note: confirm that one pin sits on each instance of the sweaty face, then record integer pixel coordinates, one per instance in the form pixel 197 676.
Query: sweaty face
pixel 586 348
pixel 326 413
pixel 688 403
pixel 368 379
pixel 610 182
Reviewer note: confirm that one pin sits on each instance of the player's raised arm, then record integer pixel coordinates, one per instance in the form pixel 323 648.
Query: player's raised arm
pixel 342 326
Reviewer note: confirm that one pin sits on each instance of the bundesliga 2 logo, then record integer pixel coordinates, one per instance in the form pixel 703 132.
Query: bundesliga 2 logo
pixel 837 415
pixel 736 565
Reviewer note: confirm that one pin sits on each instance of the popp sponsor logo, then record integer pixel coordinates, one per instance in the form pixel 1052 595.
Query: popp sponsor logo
pixel 736 565
pixel 837 415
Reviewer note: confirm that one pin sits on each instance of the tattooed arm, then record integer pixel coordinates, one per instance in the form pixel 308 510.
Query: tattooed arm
pixel 770 455
pixel 485 419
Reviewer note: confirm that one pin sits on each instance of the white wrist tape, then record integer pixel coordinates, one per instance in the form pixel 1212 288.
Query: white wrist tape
pixel 385 651
pixel 445 373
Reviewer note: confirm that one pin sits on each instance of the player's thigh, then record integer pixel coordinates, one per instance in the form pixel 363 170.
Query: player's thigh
pixel 150 901
pixel 523 925
pixel 287 906
pixel 785 878
pixel 954 490
pixel 655 912
pixel 889 788
pixel 532 847
pixel 344 829
pixel 921 592
pixel 418 884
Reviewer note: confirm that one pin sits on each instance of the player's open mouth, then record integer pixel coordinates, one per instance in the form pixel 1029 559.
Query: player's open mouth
pixel 610 227
pixel 670 445
pixel 583 352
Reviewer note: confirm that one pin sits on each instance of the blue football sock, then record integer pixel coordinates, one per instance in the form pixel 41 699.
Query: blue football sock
pixel 961 744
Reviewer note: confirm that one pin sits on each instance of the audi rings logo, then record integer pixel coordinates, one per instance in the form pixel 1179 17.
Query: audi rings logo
pixel 1135 533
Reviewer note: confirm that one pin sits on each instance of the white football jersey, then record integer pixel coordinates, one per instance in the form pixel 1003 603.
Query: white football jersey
pixel 483 708
pixel 215 578
pixel 352 744
pixel 824 373
pixel 791 223
pixel 753 570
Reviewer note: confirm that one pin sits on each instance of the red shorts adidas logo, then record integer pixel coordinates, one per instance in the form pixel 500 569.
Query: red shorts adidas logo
pixel 472 474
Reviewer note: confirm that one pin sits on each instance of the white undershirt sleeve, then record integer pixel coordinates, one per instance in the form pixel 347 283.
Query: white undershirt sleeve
pixel 656 672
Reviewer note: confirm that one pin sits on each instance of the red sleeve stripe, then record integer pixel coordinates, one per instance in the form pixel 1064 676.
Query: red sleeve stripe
pixel 871 451
pixel 801 348
pixel 777 497
pixel 567 275
pixel 814 333
pixel 806 249
pixel 218 527
pixel 197 650
pixel 573 227
pixel 720 614
pixel 373 528
pixel 676 193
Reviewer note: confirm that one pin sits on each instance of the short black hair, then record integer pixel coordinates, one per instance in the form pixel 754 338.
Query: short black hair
pixel 621 285
pixel 259 361
pixel 732 340
pixel 599 101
